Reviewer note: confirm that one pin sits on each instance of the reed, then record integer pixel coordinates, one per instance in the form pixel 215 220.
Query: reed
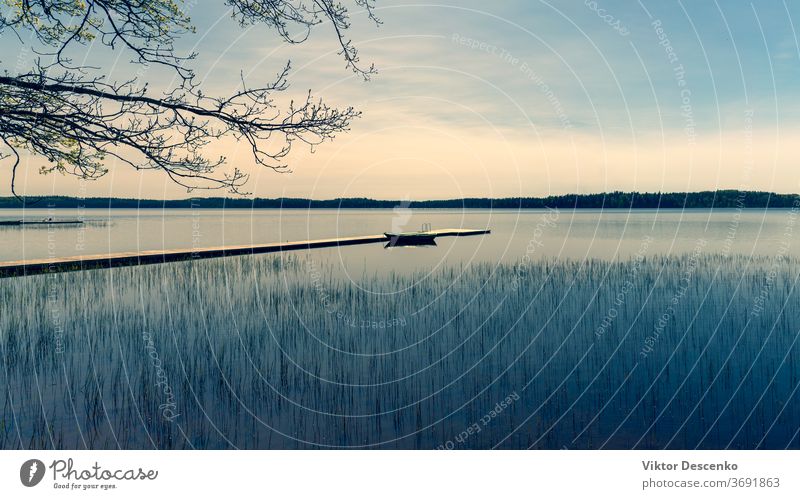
pixel 280 352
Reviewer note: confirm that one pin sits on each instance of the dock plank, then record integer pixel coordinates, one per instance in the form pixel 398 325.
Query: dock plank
pixel 126 259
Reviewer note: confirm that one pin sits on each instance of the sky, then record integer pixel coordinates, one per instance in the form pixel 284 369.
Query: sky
pixel 498 99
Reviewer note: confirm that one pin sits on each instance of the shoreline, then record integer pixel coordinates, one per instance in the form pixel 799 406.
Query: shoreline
pixel 720 199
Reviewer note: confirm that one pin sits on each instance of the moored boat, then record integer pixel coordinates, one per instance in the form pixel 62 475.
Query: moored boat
pixel 410 238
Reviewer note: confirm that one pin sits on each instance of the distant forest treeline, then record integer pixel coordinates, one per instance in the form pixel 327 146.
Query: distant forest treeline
pixel 622 200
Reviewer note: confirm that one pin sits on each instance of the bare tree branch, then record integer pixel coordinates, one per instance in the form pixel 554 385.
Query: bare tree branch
pixel 77 121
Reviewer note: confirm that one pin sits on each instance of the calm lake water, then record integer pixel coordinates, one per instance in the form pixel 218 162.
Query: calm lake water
pixel 570 329
pixel 607 234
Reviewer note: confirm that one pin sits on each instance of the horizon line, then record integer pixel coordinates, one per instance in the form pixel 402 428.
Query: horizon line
pixel 38 198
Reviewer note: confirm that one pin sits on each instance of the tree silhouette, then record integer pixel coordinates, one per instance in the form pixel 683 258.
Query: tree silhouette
pixel 74 117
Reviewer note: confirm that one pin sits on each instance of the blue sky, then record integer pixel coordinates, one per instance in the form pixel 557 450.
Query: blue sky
pixel 518 97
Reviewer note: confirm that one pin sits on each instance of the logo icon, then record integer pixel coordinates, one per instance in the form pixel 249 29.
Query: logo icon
pixel 402 214
pixel 31 472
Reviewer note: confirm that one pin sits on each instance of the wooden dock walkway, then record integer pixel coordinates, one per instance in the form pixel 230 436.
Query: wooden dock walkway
pixel 75 263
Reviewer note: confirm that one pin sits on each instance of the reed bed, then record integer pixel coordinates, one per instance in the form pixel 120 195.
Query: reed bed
pixel 285 352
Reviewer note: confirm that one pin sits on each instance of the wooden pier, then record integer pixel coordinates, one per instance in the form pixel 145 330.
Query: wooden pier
pixel 14 223
pixel 75 263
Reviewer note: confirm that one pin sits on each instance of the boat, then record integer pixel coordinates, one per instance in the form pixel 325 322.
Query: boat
pixel 424 237
pixel 410 239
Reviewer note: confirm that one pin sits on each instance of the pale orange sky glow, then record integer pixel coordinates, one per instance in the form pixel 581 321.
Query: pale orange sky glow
pixel 437 162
